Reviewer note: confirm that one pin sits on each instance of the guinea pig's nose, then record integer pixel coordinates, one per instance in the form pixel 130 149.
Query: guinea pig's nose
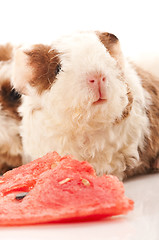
pixel 97 80
pixel 97 83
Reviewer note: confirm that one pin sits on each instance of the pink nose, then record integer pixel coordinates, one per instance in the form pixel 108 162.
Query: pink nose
pixel 97 83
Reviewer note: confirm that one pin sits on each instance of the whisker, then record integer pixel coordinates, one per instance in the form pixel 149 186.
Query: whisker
pixel 49 81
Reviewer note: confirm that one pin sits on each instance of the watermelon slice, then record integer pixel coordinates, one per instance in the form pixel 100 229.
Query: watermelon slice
pixel 55 189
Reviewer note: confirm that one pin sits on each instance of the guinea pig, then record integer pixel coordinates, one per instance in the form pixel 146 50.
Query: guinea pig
pixel 81 96
pixel 10 141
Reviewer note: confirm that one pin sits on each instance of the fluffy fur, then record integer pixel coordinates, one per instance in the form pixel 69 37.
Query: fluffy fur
pixel 66 115
pixel 10 140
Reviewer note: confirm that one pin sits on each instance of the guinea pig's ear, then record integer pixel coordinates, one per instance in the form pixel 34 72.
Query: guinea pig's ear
pixel 35 67
pixel 22 73
pixel 112 44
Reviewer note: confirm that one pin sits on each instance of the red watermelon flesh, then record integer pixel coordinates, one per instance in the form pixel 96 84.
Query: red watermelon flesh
pixel 59 189
pixel 25 176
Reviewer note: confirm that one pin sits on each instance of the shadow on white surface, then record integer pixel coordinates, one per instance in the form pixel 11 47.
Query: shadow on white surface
pixel 140 224
pixel 106 229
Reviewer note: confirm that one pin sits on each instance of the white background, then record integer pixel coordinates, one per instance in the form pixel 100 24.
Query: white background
pixel 135 22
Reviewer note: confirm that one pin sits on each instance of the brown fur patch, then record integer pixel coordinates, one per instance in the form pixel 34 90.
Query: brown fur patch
pixel 128 108
pixel 5 52
pixel 112 44
pixel 149 156
pixel 7 162
pixel 10 100
pixel 108 39
pixel 44 62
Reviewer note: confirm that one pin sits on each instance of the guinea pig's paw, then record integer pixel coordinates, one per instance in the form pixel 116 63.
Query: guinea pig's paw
pixel 155 166
pixel 132 161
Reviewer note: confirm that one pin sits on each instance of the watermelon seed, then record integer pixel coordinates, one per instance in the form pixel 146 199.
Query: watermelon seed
pixel 21 195
pixel 85 182
pixel 53 165
pixel 64 181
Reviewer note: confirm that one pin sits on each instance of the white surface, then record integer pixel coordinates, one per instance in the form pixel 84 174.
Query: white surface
pixel 140 224
pixel 134 22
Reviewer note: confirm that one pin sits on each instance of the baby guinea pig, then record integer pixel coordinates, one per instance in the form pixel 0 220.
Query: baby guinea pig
pixel 80 96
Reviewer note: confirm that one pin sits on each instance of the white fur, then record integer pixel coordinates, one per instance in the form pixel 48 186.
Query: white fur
pixel 22 70
pixel 9 127
pixel 5 70
pixel 9 135
pixel 65 120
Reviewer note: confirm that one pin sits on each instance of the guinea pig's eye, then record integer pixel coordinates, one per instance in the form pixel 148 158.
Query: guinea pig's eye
pixel 14 95
pixel 58 69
